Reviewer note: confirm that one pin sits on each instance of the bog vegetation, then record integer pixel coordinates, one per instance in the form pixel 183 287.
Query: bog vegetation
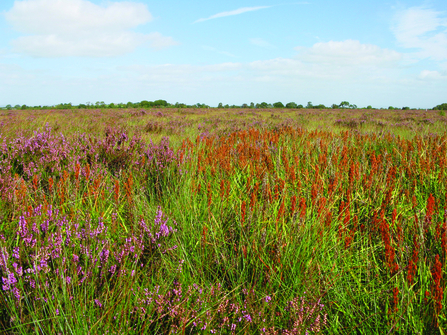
pixel 190 221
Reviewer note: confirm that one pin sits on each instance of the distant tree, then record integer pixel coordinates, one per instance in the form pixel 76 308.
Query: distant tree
pixel 112 105
pixel 252 105
pixel 160 103
pixel 82 106
pixel 441 107
pixel 145 104
pixel 334 106
pixel 320 106
pixel 17 107
pixel 344 104
pixel 220 105
pixel 369 107
pixel 309 105
pixel 23 107
pixel 227 106
pixel 244 106
pixel 278 105
pixel 264 105
pixel 130 105
pixel 300 106
pixel 353 106
pixel 391 107
pixel 291 105
pixel 405 108
pixel 8 107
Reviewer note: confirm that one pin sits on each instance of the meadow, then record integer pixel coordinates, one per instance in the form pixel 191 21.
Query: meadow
pixel 223 221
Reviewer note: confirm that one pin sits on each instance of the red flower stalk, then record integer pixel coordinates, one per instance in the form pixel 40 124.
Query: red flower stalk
pixel 412 265
pixel 395 299
pixel 444 238
pixel 222 190
pixel 389 250
pixel 77 170
pixel 117 191
pixel 35 181
pixel 303 208
pixel 437 289
pixel 87 171
pixel 292 208
pixel 50 184
pixel 280 212
pixel 210 195
pixel 322 203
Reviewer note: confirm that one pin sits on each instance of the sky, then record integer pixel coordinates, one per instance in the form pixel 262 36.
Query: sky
pixel 380 53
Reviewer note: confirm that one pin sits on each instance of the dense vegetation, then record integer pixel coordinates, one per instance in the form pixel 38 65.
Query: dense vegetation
pixel 225 222
pixel 164 104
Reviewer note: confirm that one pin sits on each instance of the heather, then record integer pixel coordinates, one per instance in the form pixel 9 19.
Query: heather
pixel 224 222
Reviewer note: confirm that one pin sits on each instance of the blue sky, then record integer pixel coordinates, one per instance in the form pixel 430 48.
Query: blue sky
pixel 380 53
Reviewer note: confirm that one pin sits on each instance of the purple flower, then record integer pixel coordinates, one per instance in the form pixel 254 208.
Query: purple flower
pixel 16 292
pixel 16 253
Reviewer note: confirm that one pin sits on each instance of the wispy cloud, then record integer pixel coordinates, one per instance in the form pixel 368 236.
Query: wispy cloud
pixel 232 12
pixel 424 29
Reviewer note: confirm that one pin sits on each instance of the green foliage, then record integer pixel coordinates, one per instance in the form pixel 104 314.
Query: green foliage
pixel 278 105
pixel 344 104
pixel 441 107
pixel 291 105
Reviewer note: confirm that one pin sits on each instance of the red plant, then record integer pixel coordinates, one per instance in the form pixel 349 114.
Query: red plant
pixel 50 184
pixel 389 250
pixel 412 264
pixel 395 299
pixel 210 195
pixel 116 191
pixel 437 288
pixel 87 172
pixel 292 207
pixel 303 208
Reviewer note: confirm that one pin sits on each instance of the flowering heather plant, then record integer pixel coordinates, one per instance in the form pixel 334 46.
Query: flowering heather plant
pixel 74 256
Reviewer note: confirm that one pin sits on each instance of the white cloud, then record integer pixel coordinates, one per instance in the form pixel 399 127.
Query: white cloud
pixel 349 53
pixel 57 28
pixel 424 29
pixel 261 43
pixel 432 75
pixel 233 12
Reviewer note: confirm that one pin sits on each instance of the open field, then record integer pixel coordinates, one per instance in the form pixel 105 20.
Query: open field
pixel 223 221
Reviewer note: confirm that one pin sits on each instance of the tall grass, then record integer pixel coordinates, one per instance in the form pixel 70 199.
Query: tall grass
pixel 252 228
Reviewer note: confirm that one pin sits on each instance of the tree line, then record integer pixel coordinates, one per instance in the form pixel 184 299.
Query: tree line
pixel 164 104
